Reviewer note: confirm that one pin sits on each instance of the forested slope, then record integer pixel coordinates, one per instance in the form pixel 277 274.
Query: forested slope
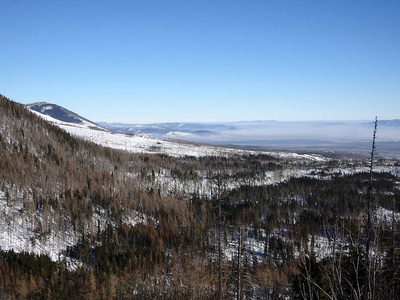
pixel 81 221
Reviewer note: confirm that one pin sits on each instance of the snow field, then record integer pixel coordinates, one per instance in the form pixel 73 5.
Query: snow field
pixel 23 231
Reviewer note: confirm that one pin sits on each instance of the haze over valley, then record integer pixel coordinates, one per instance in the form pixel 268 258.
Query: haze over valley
pixel 200 150
pixel 340 137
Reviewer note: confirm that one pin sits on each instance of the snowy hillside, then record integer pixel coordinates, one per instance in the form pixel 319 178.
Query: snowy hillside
pixel 117 213
pixel 57 113
pixel 146 144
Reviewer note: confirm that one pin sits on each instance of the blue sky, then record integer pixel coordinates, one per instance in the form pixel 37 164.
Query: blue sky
pixel 204 61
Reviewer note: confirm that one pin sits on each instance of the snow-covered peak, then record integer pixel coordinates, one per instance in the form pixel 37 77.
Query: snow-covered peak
pixel 59 115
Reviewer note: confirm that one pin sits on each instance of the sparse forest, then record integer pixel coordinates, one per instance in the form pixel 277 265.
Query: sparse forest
pixel 153 226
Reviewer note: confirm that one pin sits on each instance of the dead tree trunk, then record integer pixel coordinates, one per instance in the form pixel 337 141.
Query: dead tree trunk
pixel 239 289
pixel 368 292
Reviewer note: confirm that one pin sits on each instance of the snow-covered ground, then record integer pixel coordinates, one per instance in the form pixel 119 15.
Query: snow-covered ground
pixel 146 144
pixel 22 231
pixel 39 233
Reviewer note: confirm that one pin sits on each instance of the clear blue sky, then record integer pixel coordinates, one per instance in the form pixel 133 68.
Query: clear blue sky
pixel 160 61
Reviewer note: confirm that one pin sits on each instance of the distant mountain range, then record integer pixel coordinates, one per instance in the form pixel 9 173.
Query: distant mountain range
pixel 170 130
pixel 390 123
pixel 261 133
pixel 347 136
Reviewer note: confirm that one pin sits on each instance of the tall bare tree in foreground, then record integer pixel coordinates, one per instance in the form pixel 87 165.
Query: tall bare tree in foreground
pixel 369 230
pixel 346 275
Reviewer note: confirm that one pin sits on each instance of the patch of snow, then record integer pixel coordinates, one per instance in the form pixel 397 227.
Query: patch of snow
pixel 24 231
pixel 21 232
pixel 389 216
pixel 178 134
pixel 48 107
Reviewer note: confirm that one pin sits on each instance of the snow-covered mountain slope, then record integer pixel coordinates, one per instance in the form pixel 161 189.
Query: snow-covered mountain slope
pixel 345 137
pixel 350 137
pixel 70 195
pixel 146 144
pixel 61 115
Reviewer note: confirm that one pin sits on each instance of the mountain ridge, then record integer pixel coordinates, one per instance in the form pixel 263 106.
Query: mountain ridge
pixel 62 114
